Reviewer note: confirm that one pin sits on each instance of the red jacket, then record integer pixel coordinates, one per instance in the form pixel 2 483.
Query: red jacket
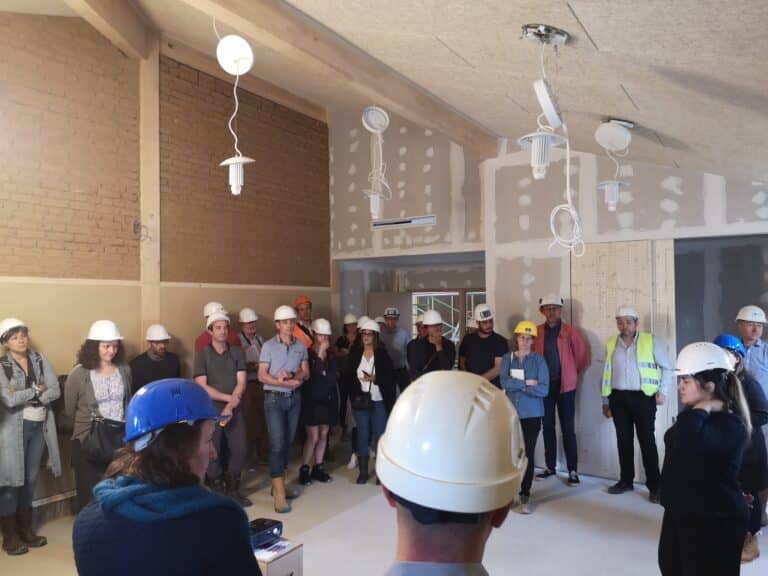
pixel 573 354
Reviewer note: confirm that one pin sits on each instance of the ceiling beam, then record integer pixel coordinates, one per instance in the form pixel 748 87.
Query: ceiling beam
pixel 291 33
pixel 208 64
pixel 119 21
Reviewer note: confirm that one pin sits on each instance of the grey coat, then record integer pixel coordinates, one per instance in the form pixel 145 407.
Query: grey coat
pixel 80 400
pixel 12 421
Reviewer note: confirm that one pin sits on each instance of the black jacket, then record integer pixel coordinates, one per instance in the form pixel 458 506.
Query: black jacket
pixel 385 375
pixel 701 466
pixel 753 475
pixel 424 357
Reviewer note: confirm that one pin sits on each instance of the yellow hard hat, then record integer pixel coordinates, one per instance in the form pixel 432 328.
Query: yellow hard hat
pixel 526 327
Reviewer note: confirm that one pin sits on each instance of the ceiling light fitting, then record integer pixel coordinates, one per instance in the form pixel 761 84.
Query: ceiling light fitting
pixel 614 136
pixel 235 57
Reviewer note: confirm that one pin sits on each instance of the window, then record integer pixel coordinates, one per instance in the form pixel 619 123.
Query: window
pixel 455 307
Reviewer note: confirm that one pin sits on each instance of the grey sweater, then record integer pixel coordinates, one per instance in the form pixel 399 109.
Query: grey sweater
pixel 80 400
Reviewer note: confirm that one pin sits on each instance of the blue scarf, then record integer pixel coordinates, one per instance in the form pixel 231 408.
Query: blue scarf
pixel 143 502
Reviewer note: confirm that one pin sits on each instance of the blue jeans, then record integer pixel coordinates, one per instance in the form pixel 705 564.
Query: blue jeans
pixel 376 419
pixel 14 498
pixel 282 415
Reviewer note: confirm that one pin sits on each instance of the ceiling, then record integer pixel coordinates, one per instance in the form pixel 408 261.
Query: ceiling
pixel 690 73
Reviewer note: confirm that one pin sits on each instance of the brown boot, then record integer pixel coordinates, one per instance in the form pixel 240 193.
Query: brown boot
pixel 278 493
pixel 12 544
pixel 751 549
pixel 26 531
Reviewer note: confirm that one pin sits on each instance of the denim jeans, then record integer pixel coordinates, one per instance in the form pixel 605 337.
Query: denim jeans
pixel 14 498
pixel 282 415
pixel 566 410
pixel 376 419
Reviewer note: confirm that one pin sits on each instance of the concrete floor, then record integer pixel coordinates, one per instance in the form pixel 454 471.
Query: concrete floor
pixel 349 529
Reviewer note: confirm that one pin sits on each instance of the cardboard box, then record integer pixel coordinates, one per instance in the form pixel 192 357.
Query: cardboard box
pixel 283 558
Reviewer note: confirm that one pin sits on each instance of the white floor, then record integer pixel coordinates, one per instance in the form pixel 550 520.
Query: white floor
pixel 349 529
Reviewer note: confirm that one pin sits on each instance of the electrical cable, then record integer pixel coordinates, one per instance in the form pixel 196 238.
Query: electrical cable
pixel 574 243
pixel 231 118
pixel 216 30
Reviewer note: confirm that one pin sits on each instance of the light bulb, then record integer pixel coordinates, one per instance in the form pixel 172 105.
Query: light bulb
pixel 236 172
pixel 540 144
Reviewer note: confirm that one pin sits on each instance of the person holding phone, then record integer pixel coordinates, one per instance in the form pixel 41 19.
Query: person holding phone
pixel 525 379
pixel 372 389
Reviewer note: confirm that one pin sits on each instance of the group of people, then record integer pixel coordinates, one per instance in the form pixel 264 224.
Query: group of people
pixel 256 392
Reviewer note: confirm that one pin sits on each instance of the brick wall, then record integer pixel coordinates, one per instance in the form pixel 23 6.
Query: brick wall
pixel 69 152
pixel 277 231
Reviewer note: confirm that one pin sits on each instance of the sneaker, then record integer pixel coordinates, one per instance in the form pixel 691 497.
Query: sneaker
pixel 654 497
pixel 545 474
pixel 620 488
pixel 573 478
pixel 319 474
pixel 525 505
pixel 352 462
pixel 304 476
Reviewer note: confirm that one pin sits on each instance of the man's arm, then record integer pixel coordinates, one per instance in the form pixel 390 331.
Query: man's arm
pixel 667 371
pixel 202 380
pixel 493 372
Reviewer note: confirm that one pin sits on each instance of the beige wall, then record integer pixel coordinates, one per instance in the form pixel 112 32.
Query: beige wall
pixel 69 152
pixel 428 173
pixel 276 232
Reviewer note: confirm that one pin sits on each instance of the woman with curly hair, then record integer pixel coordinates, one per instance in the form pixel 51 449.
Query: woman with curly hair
pixel 96 393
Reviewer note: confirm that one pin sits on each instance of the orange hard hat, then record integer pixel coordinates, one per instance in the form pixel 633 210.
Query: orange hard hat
pixel 301 300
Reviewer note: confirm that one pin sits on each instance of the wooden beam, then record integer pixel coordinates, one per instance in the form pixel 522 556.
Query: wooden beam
pixel 291 33
pixel 208 64
pixel 119 21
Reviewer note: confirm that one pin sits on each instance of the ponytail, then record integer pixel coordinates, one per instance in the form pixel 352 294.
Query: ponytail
pixel 739 401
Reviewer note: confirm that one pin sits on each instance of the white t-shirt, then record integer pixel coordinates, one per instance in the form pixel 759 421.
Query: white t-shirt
pixel 367 365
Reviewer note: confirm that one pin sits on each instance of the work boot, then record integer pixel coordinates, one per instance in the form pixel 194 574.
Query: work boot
pixel 25 530
pixel 290 493
pixel 278 493
pixel 362 466
pixel 620 487
pixel 319 473
pixel 751 549
pixel 233 491
pixel 304 477
pixel 12 544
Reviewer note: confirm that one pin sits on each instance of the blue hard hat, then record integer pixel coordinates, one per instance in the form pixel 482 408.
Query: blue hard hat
pixel 165 402
pixel 732 343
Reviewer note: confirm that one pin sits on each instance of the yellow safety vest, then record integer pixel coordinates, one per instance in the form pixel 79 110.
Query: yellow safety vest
pixel 650 373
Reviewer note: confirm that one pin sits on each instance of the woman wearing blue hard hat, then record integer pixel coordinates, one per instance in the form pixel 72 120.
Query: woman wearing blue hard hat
pixel 151 514
pixel 754 473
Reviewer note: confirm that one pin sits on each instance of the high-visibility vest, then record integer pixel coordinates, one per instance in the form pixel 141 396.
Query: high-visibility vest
pixel 650 372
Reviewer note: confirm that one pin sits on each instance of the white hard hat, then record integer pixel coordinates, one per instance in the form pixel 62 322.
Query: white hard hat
pixel 551 300
pixel 380 320
pixel 371 325
pixel 426 458
pixel 626 311
pixel 472 323
pixel 701 356
pixel 157 333
pixel 248 315
pixel 212 307
pixel 285 313
pixel 752 314
pixel 104 331
pixel 391 311
pixel 321 326
pixel 9 324
pixel 420 319
pixel 483 312
pixel 362 320
pixel 350 319
pixel 432 318
pixel 215 317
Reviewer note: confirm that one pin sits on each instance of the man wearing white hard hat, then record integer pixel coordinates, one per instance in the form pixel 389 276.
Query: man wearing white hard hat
pixel 450 485
pixel 435 352
pixel 205 337
pixel 220 369
pixel 395 339
pixel 341 349
pixel 156 362
pixel 565 351
pixel 410 350
pixel 751 322
pixel 481 351
pixel 636 379
pixel 283 368
pixel 253 401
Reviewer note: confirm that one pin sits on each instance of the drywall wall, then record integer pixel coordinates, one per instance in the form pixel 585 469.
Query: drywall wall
pixel 428 174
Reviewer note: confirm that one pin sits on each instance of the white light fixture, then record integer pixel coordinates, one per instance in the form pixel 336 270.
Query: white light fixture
pixel 235 57
pixel 614 136
pixel 540 144
pixel 611 190
pixel 376 121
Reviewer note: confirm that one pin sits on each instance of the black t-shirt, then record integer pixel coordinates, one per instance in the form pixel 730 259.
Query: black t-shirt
pixel 480 353
pixel 145 370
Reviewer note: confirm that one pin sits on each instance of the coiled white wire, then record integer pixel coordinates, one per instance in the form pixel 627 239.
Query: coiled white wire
pixel 573 242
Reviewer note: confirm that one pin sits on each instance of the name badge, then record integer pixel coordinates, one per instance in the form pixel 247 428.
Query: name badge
pixel 517 373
